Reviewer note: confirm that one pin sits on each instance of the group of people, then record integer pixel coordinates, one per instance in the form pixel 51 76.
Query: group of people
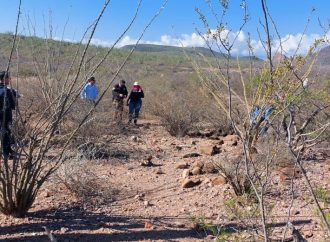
pixel 119 94
pixel 89 92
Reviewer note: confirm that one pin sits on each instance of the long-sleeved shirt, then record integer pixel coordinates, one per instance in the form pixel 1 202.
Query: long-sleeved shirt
pixel 7 103
pixel 136 94
pixel 89 92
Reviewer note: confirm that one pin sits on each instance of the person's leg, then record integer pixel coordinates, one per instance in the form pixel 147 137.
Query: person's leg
pixel 115 105
pixel 131 107
pixel 137 110
pixel 120 110
pixel 5 140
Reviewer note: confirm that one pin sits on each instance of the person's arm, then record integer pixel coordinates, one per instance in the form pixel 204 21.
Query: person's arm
pixel 125 92
pixel 128 98
pixel 83 93
pixel 11 94
pixel 142 94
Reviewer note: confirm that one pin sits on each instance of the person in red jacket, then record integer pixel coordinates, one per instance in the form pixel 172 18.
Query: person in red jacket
pixel 134 102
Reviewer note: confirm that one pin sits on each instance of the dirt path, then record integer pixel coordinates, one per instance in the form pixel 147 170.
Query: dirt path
pixel 150 203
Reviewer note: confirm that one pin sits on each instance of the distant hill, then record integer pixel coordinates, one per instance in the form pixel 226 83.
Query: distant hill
pixel 174 49
pixel 180 50
pixel 154 59
pixel 323 57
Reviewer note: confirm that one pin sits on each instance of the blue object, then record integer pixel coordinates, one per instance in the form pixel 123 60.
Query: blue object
pixel 256 112
pixel 89 92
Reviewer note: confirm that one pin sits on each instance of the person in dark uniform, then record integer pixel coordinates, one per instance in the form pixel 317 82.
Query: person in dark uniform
pixel 119 93
pixel 7 105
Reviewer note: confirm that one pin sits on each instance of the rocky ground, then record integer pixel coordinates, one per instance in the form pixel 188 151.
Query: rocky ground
pixel 160 185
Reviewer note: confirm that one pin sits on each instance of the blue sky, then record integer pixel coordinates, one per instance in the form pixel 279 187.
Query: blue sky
pixel 175 26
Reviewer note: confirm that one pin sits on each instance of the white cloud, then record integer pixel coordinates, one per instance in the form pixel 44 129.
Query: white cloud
pixel 291 43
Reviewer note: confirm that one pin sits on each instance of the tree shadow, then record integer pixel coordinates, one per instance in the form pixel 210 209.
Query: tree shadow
pixel 80 225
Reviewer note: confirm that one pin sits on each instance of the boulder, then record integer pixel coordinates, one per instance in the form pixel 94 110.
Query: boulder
pixel 209 149
pixel 188 183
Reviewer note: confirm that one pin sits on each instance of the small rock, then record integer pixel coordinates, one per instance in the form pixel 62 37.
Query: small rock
pixel 307 233
pixel 221 142
pixel 146 163
pixel 188 183
pixel 148 225
pixel 47 193
pixel 189 155
pixel 181 165
pixel 230 138
pixel 185 173
pixel 295 212
pixel 209 150
pixel 139 196
pixel 198 163
pixel 178 147
pixel 179 225
pixel 149 158
pixel 146 204
pixel 64 229
pixel 218 181
pixel 134 138
pixel 159 172
pixel 196 171
pixel 209 167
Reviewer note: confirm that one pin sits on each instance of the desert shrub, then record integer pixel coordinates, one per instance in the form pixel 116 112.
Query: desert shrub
pixel 81 179
pixel 232 168
pixel 178 113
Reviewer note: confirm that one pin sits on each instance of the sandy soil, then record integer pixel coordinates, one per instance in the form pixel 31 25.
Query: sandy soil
pixel 149 202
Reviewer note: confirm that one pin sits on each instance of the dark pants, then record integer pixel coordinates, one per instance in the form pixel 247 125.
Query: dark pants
pixel 134 109
pixel 5 135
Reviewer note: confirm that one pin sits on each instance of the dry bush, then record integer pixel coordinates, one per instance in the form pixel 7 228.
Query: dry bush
pixel 178 114
pixel 60 86
pixel 81 178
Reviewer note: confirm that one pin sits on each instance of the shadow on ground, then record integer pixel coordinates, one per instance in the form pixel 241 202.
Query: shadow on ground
pixel 83 226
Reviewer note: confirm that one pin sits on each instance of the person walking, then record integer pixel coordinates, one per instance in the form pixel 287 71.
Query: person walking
pixel 119 93
pixel 90 91
pixel 134 102
pixel 7 105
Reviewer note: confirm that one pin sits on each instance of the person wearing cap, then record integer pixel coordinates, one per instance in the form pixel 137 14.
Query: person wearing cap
pixel 7 105
pixel 90 91
pixel 119 93
pixel 134 102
